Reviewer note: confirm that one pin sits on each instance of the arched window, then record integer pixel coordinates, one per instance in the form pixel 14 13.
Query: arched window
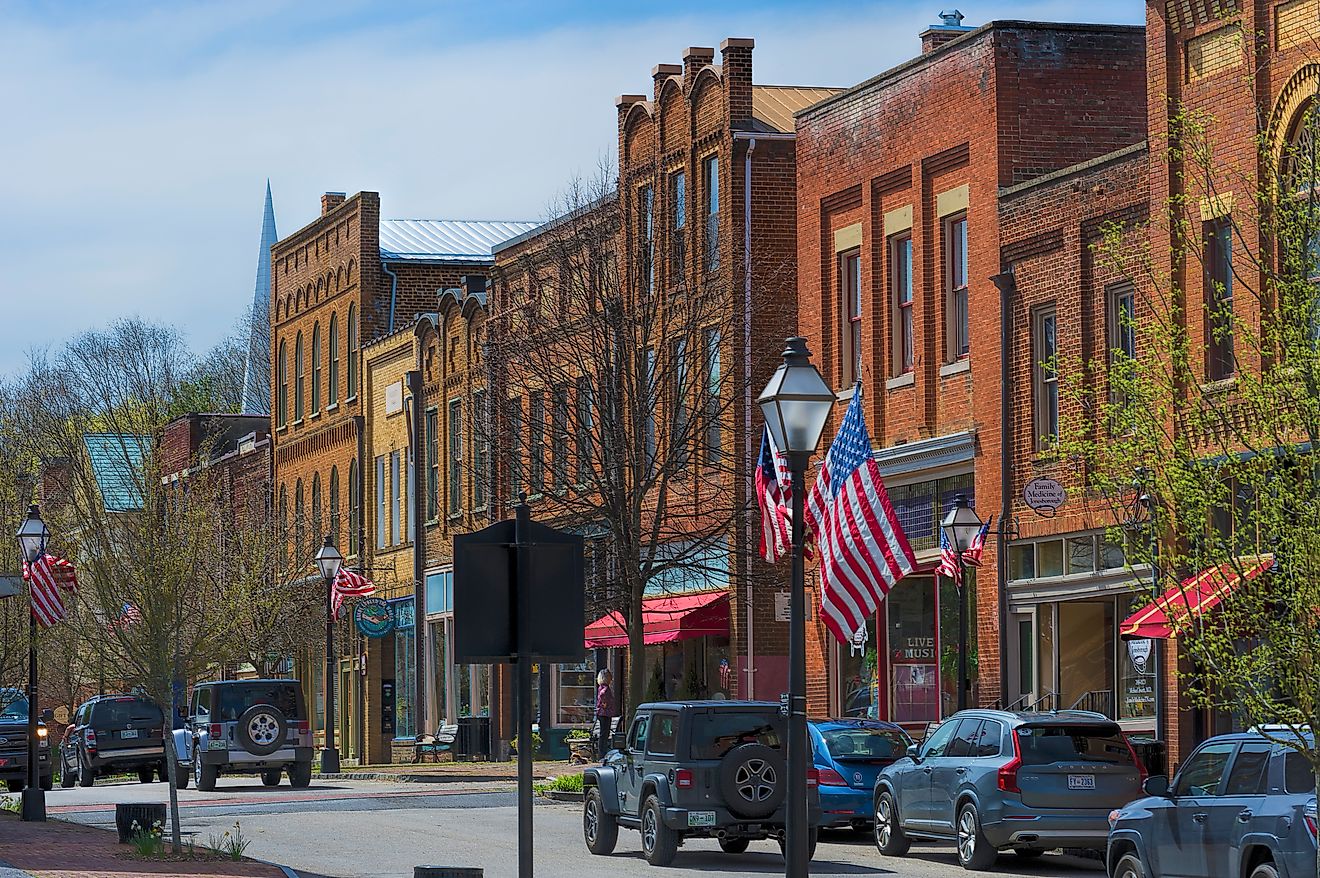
pixel 283 541
pixel 334 505
pixel 354 501
pixel 282 392
pixel 298 379
pixel 352 351
pixel 317 532
pixel 316 368
pixel 299 521
pixel 332 388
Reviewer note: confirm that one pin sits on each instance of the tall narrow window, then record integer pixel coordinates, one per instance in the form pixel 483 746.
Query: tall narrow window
pixel 646 239
pixel 679 439
pixel 710 173
pixel 352 351
pixel 956 302
pixel 332 386
pixel 396 504
pixel 559 437
pixel 480 449
pixel 316 368
pixel 382 507
pixel 714 436
pixel 678 235
pixel 536 442
pixel 1220 361
pixel 432 464
pixel 455 426
pixel 586 426
pixel 1047 378
pixel 354 506
pixel 282 391
pixel 299 521
pixel 514 462
pixel 409 485
pixel 317 523
pixel 283 543
pixel 900 261
pixel 298 379
pixel 850 281
pixel 649 402
pixel 334 505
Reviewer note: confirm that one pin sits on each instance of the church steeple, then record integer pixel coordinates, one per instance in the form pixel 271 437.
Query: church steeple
pixel 256 375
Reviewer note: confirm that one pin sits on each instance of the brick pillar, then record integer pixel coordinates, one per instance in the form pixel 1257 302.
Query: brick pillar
pixel 737 54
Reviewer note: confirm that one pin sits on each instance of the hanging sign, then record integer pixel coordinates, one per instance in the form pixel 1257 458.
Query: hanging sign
pixel 1044 496
pixel 373 617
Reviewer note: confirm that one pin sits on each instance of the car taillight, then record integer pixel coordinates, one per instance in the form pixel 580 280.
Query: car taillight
pixel 1008 772
pixel 813 777
pixel 1310 824
pixel 1141 766
pixel 89 739
pixel 216 731
pixel 683 778
pixel 300 725
pixel 828 777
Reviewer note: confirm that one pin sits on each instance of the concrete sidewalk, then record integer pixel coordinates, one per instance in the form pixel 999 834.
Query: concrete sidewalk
pixel 56 849
pixel 442 772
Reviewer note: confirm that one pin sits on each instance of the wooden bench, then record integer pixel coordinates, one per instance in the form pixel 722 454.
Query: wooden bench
pixel 434 745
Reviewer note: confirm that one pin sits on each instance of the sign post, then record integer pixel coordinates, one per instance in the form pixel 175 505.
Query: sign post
pixel 519 598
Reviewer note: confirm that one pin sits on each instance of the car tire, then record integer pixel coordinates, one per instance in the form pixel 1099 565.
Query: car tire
pixel 1028 853
pixel 975 853
pixel 599 829
pixel 47 782
pixel 734 845
pixel 812 838
pixel 890 839
pixel 300 775
pixel 752 780
pixel 659 842
pixel 86 776
pixel 14 786
pixel 66 776
pixel 1265 870
pixel 182 777
pixel 270 777
pixel 262 729
pixel 1129 866
pixel 204 775
pixel 146 775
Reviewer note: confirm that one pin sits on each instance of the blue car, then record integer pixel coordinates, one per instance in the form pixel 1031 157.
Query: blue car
pixel 848 754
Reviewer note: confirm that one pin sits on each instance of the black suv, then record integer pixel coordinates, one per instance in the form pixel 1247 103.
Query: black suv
pixel 113 734
pixel 14 742
pixel 693 769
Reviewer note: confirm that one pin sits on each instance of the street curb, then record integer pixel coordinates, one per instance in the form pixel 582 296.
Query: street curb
pixel 288 873
pixel 419 778
pixel 564 796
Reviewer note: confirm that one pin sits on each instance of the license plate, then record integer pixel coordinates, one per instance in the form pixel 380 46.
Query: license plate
pixel 1081 781
pixel 701 818
pixel 217 745
pixel 128 733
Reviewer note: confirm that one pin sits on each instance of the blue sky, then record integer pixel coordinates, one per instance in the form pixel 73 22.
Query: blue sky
pixel 140 135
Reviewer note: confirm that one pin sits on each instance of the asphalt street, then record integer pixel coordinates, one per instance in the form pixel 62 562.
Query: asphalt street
pixel 357 829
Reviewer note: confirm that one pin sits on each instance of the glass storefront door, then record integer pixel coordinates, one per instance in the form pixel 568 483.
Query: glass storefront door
pixel 859 674
pixel 913 650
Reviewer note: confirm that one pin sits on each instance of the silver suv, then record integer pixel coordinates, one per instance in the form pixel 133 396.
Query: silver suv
pixel 993 780
pixel 246 727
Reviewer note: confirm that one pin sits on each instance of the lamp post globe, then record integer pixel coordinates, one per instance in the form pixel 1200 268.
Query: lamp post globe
pixel 32 539
pixel 960 526
pixel 329 562
pixel 797 404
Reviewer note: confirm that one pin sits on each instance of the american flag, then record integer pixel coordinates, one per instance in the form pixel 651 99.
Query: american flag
pixel 128 615
pixel 863 548
pixel 971 556
pixel 49 577
pixel 773 494
pixel 348 584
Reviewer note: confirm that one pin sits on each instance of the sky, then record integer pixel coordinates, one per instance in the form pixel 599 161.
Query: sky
pixel 140 135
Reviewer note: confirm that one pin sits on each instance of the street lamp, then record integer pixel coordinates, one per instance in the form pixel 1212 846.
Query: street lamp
pixel 32 538
pixel 961 526
pixel 329 561
pixel 797 403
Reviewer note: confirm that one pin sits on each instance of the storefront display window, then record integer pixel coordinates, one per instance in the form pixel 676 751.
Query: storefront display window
pixel 405 669
pixel 859 674
pixel 921 505
pixel 949 610
pixel 439 664
pixel 1082 555
pixel 914 666
pixel 1085 645
pixel 698 668
pixel 575 694
pixel 1136 662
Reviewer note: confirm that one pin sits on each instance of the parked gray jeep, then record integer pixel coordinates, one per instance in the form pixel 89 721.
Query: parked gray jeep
pixel 246 727
pixel 693 769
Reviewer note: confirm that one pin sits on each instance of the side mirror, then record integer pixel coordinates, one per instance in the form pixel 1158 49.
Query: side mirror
pixel 1156 785
pixel 619 741
pixel 914 752
pixel 47 715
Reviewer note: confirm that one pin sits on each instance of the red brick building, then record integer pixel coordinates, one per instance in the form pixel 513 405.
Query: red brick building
pixel 901 188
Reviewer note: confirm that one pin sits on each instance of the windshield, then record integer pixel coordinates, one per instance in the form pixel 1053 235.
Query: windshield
pixel 126 711
pixel 864 743
pixel 234 700
pixel 13 706
pixel 716 733
pixel 1045 745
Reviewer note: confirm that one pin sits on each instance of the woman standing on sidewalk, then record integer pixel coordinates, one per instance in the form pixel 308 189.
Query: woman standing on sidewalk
pixel 606 710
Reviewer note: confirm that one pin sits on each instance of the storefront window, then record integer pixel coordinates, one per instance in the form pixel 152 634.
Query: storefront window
pixel 1022 562
pixel 859 674
pixel 1049 558
pixel 405 669
pixel 718 667
pixel 921 506
pixel 1081 554
pixel 439 632
pixel 1085 644
pixel 949 610
pixel 1136 661
pixel 575 694
pixel 914 669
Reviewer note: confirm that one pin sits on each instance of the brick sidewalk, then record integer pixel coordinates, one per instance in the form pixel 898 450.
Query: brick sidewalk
pixel 440 771
pixel 56 849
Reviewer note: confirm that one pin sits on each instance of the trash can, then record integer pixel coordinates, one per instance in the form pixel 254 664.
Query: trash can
pixel 473 738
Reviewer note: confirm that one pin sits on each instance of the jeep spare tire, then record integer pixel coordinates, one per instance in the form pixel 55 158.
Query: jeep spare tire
pixel 262 729
pixel 753 780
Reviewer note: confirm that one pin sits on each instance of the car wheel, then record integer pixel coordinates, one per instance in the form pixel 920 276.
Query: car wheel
pixel 182 776
pixel 262 729
pixel 975 853
pixel 753 780
pixel 890 839
pixel 1028 853
pixel 1129 866
pixel 14 786
pixel 734 845
pixel 599 829
pixel 812 838
pixel 270 777
pixel 204 775
pixel 1265 870
pixel 86 776
pixel 146 775
pixel 66 773
pixel 300 774
pixel 659 842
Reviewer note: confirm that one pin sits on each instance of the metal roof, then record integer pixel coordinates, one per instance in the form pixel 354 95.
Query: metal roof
pixel 116 460
pixel 773 106
pixel 446 240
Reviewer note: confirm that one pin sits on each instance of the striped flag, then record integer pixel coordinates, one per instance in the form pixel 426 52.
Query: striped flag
pixel 773 494
pixel 48 577
pixel 348 584
pixel 128 615
pixel 949 559
pixel 972 554
pixel 863 549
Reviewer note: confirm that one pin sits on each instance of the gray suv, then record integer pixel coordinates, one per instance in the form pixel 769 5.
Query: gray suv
pixel 246 727
pixel 693 769
pixel 994 780
pixel 1242 806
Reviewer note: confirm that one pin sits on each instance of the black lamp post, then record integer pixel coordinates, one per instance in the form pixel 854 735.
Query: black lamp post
pixel 329 561
pixel 797 403
pixel 32 539
pixel 960 527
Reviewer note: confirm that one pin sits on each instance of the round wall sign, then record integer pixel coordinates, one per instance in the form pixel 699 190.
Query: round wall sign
pixel 1044 496
pixel 373 617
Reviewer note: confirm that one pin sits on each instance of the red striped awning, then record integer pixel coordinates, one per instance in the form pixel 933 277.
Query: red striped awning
pixel 1192 597
pixel 667 619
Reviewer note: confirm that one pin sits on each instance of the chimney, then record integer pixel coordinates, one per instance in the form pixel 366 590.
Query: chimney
pixel 949 28
pixel 737 72
pixel 695 58
pixel 331 200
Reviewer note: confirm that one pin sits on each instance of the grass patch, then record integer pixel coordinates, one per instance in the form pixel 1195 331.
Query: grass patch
pixel 564 783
